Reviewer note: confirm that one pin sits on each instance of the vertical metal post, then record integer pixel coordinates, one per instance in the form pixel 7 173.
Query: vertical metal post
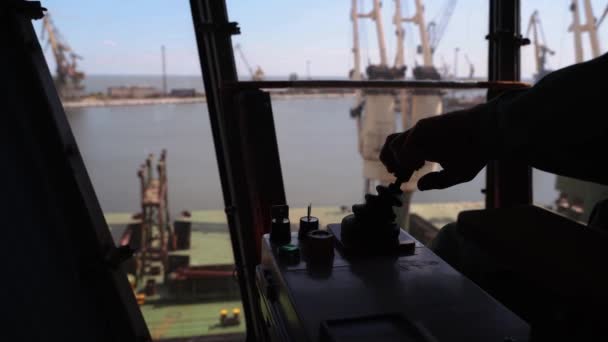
pixel 590 23
pixel 507 183
pixel 456 50
pixel 217 65
pixel 354 17
pixel 247 192
pixel 162 50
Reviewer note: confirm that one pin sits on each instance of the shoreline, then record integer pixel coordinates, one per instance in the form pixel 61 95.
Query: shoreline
pixel 93 102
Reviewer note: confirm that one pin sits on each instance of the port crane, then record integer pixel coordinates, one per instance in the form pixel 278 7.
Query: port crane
pixel 431 33
pixel 425 47
pixel 540 46
pixel 471 66
pixel 68 78
pixel 258 73
pixel 374 112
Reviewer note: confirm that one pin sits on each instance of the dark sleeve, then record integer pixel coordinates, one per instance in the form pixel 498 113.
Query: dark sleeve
pixel 560 125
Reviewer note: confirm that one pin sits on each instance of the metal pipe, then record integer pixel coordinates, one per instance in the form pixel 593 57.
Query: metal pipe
pixel 576 32
pixel 590 26
pixel 343 84
pixel 356 51
pixel 377 16
pixel 162 50
pixel 427 54
pixel 400 32
pixel 456 50
pixel 507 183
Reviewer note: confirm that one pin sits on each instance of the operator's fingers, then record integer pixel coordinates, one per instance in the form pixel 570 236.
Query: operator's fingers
pixel 400 156
pixel 387 156
pixel 407 154
pixel 441 180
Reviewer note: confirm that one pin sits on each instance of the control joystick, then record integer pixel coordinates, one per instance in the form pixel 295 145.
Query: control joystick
pixel 372 227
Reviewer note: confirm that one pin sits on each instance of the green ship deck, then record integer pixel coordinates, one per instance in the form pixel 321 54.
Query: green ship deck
pixel 210 245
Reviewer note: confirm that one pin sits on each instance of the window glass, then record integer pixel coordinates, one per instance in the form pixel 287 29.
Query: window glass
pixel 328 147
pixel 130 82
pixel 553 33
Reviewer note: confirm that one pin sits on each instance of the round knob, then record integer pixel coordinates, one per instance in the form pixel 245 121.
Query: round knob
pixel 290 254
pixel 307 224
pixel 321 246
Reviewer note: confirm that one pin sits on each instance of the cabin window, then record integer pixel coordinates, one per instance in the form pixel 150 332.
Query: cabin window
pixel 328 147
pixel 122 109
pixel 553 32
pixel 134 97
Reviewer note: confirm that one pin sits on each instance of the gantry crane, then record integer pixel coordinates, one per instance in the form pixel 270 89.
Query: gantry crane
pixel 540 47
pixel 258 73
pixel 68 78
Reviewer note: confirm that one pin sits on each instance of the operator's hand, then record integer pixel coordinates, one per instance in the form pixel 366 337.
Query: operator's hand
pixel 451 139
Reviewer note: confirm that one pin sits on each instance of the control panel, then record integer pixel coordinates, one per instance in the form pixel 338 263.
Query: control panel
pixel 324 285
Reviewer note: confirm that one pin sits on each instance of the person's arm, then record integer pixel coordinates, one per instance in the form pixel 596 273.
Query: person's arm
pixel 560 125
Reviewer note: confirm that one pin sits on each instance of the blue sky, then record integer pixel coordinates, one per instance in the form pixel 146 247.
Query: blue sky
pixel 124 36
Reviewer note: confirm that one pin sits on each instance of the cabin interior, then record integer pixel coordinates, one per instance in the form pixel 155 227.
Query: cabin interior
pixel 550 284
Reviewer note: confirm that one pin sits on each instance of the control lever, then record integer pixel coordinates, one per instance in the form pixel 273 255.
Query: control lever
pixel 395 187
pixel 372 228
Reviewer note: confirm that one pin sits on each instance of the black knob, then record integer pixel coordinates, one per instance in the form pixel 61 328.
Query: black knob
pixel 307 224
pixel 280 232
pixel 320 246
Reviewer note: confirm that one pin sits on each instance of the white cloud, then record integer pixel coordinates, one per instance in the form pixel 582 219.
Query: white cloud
pixel 108 42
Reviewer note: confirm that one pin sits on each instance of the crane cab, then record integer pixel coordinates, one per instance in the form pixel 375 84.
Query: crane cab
pixel 310 288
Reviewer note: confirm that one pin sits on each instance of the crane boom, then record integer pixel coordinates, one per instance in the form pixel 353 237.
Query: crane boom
pixel 68 77
pixel 49 29
pixel 237 47
pixel 436 29
pixel 539 42
pixel 599 22
pixel 258 73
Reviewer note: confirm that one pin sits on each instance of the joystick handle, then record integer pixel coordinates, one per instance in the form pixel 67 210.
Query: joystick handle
pixel 395 187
